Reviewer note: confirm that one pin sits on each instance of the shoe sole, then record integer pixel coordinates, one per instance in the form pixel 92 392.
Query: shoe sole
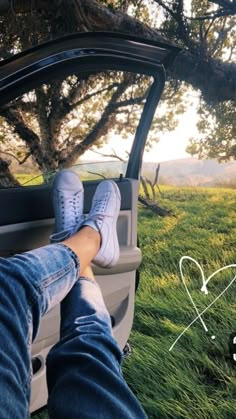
pixel 114 226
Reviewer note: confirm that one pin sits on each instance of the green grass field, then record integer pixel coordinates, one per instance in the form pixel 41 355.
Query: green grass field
pixel 196 380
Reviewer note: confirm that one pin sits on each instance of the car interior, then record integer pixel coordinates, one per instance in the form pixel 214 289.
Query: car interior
pixel 112 74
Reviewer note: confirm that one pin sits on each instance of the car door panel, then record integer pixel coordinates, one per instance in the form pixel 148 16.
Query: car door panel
pixel 117 284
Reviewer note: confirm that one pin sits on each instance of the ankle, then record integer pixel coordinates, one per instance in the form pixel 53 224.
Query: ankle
pixel 91 234
pixel 85 244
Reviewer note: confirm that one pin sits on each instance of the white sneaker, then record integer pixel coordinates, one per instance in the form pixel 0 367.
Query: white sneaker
pixel 68 204
pixel 103 217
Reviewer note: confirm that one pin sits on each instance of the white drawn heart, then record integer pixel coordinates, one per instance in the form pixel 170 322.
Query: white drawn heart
pixel 203 289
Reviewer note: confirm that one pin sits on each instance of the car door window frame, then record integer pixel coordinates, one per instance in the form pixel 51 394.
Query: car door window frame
pixel 94 52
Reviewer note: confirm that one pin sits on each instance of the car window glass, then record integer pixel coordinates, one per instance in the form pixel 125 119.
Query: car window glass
pixel 85 121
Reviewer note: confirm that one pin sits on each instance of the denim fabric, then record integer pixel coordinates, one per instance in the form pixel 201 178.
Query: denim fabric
pixel 30 284
pixel 83 369
pixel 86 362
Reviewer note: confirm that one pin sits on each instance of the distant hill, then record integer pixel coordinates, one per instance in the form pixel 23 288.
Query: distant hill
pixel 193 172
pixel 181 172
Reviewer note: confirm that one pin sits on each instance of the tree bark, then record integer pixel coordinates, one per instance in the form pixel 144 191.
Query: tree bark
pixel 7 180
pixel 216 80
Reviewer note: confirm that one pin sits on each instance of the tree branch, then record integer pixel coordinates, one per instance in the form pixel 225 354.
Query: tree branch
pixel 166 8
pixel 16 158
pixel 132 101
pixel 113 155
pixel 210 16
pixel 222 35
pixel 15 120
pixel 208 29
pixel 91 95
pixel 154 207
pixel 232 49
pixel 96 174
pixel 100 128
pixel 64 107
pixel 216 79
pixel 22 106
pixel 99 17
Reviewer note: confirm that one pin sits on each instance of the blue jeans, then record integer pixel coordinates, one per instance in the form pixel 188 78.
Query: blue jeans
pixel 83 368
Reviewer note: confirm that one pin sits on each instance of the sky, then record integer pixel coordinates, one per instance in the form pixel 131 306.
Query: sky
pixel 171 146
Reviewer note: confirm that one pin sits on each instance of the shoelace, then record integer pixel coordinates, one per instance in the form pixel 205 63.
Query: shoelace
pixel 99 205
pixel 69 212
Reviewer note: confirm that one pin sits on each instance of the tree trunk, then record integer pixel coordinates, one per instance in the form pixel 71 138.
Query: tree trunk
pixel 6 178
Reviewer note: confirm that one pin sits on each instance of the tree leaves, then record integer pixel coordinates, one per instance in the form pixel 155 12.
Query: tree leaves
pixel 53 113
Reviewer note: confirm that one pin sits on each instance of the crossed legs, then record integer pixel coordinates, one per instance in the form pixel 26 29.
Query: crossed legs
pixel 83 369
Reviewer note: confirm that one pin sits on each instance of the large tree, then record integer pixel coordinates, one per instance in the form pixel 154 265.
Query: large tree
pixel 205 31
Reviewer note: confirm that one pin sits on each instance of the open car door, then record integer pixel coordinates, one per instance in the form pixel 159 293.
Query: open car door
pixel 108 86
